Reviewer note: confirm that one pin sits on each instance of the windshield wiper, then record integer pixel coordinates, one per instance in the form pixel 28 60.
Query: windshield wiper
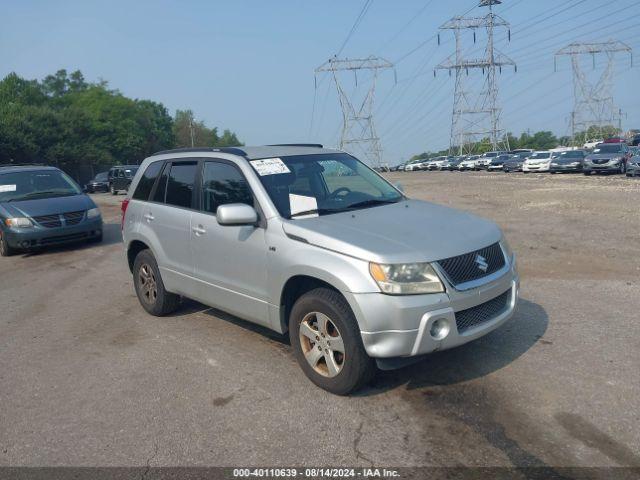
pixel 45 192
pixel 319 211
pixel 370 203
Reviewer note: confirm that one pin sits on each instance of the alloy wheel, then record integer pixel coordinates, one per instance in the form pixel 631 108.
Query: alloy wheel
pixel 322 344
pixel 148 285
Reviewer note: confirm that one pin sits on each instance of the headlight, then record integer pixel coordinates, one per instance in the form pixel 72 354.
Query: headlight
pixel 506 247
pixel 93 213
pixel 19 222
pixel 406 278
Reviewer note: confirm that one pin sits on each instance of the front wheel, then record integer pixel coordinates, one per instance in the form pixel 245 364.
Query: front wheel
pixel 149 286
pixel 327 343
pixel 5 249
pixel 623 167
pixel 113 190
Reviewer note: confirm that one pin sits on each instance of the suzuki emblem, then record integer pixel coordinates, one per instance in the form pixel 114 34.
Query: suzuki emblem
pixel 481 262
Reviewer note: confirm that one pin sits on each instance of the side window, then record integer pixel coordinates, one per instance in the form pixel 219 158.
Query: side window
pixel 146 181
pixel 180 184
pixel 222 184
pixel 161 188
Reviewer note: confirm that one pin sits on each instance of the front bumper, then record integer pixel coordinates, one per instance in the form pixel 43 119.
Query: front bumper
pixel 633 169
pixel 566 168
pixel 34 237
pixel 400 325
pixel 602 167
pixel 542 167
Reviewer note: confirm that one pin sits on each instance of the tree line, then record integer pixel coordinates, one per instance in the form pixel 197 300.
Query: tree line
pixel 543 140
pixel 82 127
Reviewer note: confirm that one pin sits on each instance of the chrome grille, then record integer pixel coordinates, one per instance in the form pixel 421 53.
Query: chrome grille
pixel 465 268
pixel 73 218
pixel 471 317
pixel 49 221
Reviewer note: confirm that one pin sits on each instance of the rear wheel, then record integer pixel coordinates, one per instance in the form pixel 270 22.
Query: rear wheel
pixel 327 343
pixel 149 286
pixel 5 249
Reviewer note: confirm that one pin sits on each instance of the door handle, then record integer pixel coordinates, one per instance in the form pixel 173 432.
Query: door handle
pixel 148 217
pixel 199 230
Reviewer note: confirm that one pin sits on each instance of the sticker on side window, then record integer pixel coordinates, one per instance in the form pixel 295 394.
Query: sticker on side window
pixel 270 166
pixel 7 188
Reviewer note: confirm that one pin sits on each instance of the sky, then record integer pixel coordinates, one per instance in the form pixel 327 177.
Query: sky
pixel 249 65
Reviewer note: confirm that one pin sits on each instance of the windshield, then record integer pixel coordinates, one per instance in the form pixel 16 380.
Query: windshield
pixel 574 154
pixel 538 155
pixel 33 184
pixel 608 148
pixel 102 177
pixel 322 184
pixel 130 172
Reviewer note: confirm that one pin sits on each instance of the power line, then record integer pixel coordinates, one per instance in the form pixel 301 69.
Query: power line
pixel 361 15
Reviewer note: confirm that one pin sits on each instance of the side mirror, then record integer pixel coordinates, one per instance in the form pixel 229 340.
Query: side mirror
pixel 399 186
pixel 236 214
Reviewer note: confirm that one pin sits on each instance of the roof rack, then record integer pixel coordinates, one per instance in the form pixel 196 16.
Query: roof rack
pixel 230 150
pixel 313 145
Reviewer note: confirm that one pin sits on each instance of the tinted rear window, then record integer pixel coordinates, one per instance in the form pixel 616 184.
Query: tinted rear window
pixel 143 190
pixel 180 184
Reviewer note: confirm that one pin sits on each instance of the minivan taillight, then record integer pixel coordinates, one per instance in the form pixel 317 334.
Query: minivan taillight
pixel 123 207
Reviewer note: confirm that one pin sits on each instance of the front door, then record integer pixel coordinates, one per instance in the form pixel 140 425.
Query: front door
pixel 230 261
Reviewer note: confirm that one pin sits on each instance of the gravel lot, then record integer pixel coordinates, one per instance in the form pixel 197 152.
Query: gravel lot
pixel 87 378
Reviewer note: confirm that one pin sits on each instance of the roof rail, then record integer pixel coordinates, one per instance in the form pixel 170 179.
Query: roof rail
pixel 230 150
pixel 313 145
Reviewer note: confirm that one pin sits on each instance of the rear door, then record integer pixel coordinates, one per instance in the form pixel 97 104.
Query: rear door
pixel 168 217
pixel 230 261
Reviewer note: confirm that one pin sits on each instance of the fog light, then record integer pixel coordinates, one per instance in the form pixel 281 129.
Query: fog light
pixel 439 329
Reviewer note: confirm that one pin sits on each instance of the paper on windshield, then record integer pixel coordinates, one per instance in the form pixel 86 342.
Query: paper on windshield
pixel 301 203
pixel 270 166
pixel 7 188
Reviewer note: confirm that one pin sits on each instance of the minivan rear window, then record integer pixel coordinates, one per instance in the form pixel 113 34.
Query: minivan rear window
pixel 146 181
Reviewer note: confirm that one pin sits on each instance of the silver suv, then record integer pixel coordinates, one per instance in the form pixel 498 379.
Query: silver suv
pixel 310 241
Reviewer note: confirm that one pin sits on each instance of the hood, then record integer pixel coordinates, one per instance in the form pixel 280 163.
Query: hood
pixel 404 232
pixel 604 156
pixel 48 206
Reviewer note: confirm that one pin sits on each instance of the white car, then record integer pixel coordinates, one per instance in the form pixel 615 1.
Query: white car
pixel 591 144
pixel 437 163
pixel 469 163
pixel 413 166
pixel 537 162
pixel 485 159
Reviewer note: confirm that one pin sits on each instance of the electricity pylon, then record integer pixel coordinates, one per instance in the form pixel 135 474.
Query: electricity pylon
pixel 476 116
pixel 358 128
pixel 593 102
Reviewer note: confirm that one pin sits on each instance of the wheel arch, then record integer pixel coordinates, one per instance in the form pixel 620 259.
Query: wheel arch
pixel 134 248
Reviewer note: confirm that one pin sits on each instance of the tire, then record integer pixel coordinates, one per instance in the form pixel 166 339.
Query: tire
pixel 629 175
pixel 97 239
pixel 153 297
pixel 113 190
pixel 587 173
pixel 5 249
pixel 352 368
pixel 623 168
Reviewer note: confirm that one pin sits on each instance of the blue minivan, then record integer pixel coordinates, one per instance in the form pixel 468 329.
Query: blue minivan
pixel 42 206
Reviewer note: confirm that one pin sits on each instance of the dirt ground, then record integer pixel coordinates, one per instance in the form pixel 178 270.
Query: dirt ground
pixel 88 378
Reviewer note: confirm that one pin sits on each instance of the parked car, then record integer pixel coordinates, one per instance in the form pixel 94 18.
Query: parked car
pixel 569 161
pixel 515 163
pixel 42 206
pixel 451 164
pixel 591 144
pixel 633 165
pixel 615 140
pixel 437 163
pixel 120 177
pixel 357 273
pixel 469 163
pixel 537 162
pixel 100 183
pixel 497 163
pixel 413 166
pixel 635 141
pixel 485 159
pixel 607 158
